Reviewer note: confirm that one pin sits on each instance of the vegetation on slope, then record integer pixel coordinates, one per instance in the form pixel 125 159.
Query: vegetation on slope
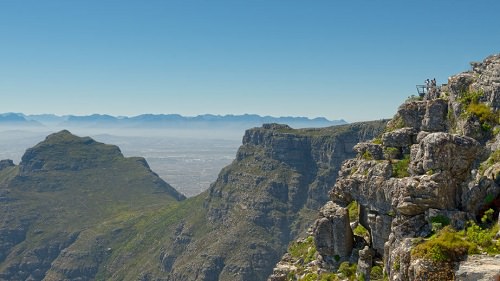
pixel 448 244
pixel 64 190
pixel 112 218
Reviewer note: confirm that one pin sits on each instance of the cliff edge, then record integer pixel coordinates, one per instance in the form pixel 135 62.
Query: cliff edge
pixel 419 202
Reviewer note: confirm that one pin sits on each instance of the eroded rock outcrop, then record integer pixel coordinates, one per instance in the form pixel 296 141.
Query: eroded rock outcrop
pixel 436 165
pixel 332 232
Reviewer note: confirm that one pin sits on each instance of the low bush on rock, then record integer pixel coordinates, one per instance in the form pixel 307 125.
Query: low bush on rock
pixel 451 245
pixel 400 167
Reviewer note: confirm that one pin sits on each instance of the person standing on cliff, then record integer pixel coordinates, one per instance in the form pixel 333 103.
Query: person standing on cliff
pixel 427 85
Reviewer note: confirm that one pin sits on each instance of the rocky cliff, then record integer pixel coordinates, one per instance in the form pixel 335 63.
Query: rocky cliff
pixel 76 209
pixel 419 202
pixel 243 223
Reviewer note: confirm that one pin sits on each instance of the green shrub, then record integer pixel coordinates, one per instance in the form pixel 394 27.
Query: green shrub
pixel 494 158
pixel 396 123
pixel 450 245
pixel 482 238
pixel 436 226
pixel 360 231
pixel 391 152
pixel 443 220
pixel 469 97
pixel 353 209
pixel 488 199
pixel 447 245
pixel 400 167
pixel 472 107
pixel 347 270
pixel 311 276
pixel 488 216
pixel 303 249
pixel 496 130
pixel 438 222
pixel 328 277
pixel 413 98
pixel 376 273
pixel 367 155
pixel 396 264
pixel 485 127
pixel 483 112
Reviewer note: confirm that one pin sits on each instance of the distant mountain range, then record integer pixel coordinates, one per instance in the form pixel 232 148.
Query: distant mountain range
pixel 160 121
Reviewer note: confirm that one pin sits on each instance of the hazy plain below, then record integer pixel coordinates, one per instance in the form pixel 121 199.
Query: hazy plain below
pixel 189 160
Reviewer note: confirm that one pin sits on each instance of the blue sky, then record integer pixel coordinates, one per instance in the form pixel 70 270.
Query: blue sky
pixel 356 60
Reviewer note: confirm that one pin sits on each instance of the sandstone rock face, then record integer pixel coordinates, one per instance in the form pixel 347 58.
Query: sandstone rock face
pixel 445 152
pixel 478 268
pixel 435 116
pixel 427 115
pixel 486 77
pixel 399 138
pixel 380 229
pixel 369 150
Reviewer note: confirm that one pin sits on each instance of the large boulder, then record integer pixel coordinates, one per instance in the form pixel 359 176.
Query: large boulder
pixel 369 150
pixel 364 263
pixel 479 268
pixel 428 115
pixel 332 232
pixel 403 137
pixel 443 151
pixel 435 116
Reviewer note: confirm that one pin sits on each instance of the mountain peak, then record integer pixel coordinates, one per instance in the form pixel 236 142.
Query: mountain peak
pixel 65 151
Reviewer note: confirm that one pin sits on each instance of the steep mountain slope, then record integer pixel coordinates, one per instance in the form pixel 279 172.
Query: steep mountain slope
pixel 259 203
pixel 421 201
pixel 239 227
pixel 64 187
pixel 77 210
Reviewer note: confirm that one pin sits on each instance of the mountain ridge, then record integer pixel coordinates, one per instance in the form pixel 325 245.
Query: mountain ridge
pixel 160 120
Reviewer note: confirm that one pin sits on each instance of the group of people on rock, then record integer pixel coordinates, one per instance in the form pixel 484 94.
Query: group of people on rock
pixel 430 83
pixel 433 91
